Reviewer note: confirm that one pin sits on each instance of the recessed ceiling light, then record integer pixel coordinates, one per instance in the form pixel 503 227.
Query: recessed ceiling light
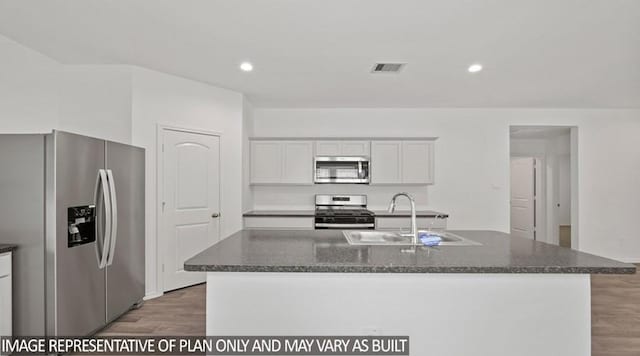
pixel 246 66
pixel 475 68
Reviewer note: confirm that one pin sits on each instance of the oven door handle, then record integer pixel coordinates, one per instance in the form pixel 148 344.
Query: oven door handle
pixel 346 226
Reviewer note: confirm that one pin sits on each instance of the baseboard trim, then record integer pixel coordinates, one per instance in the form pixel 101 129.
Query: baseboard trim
pixel 153 295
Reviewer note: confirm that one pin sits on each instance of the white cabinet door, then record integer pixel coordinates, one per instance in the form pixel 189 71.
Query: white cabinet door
pixel 278 223
pixel 328 148
pixel 402 162
pixel 6 318
pixel 342 148
pixel 281 162
pixel 417 162
pixel 386 162
pixel 298 162
pixel 355 148
pixel 266 162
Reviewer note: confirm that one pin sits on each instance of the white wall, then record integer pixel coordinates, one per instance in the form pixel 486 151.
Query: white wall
pixel 124 103
pixel 247 131
pixel 95 100
pixel 472 161
pixel 29 85
pixel 38 94
pixel 301 197
pixel 168 100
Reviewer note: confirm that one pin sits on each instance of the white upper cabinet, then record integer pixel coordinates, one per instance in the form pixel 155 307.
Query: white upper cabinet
pixel 328 148
pixel 281 162
pixel 402 162
pixel 355 148
pixel 298 162
pixel 417 162
pixel 342 148
pixel 386 159
pixel 266 162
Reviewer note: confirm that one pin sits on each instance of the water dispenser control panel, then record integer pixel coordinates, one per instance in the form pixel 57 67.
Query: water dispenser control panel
pixel 81 221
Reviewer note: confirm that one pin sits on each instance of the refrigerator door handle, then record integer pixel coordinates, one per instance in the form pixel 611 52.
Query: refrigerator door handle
pixel 99 199
pixel 114 221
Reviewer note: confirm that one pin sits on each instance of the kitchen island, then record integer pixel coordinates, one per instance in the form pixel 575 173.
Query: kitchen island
pixel 504 296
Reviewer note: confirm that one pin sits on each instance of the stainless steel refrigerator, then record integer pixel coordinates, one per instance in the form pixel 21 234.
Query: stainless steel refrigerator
pixel 74 205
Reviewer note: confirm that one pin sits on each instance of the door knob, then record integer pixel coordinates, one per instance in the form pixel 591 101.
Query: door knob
pixel 215 215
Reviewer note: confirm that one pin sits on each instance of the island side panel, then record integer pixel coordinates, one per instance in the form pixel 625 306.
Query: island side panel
pixel 444 314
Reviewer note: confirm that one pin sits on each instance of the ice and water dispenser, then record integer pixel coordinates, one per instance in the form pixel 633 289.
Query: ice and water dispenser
pixel 81 221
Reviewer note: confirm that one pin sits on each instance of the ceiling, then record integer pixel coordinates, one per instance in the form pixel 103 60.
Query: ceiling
pixel 535 53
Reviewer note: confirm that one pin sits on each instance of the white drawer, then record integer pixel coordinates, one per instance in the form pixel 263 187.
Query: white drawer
pixel 278 223
pixel 5 264
pixel 394 223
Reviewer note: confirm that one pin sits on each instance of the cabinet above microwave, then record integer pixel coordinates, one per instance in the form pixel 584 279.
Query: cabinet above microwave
pixel 341 169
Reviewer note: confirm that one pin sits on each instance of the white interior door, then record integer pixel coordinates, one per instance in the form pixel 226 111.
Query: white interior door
pixel 522 197
pixel 191 202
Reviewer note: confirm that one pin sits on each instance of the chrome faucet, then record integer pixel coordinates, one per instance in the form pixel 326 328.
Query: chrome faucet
pixel 414 229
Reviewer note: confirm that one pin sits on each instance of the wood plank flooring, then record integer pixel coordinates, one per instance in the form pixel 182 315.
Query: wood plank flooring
pixel 615 315
pixel 177 313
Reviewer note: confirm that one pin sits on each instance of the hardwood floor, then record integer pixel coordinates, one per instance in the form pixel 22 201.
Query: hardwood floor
pixel 615 315
pixel 177 313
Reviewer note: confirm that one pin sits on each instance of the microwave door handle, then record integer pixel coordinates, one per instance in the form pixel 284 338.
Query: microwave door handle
pixel 114 214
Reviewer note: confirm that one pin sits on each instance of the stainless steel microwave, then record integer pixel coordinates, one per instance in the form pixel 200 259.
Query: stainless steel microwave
pixel 341 169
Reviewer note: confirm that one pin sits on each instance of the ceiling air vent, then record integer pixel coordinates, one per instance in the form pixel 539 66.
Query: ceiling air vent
pixel 387 67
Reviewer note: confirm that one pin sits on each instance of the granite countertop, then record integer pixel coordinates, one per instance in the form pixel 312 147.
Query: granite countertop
pixel 277 213
pixel 329 251
pixel 7 248
pixel 310 213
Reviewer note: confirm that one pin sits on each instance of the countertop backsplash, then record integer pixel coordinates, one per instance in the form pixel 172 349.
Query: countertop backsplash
pixel 274 197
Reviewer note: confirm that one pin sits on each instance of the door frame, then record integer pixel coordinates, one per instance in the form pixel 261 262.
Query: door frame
pixel 160 235
pixel 574 163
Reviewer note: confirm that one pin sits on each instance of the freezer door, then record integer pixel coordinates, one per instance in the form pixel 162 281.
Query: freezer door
pixel 126 264
pixel 78 283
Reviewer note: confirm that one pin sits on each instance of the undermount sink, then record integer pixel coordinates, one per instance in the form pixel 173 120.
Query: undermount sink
pixel 377 237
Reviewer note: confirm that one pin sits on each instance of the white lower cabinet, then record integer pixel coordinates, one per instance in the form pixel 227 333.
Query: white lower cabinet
pixel 395 223
pixel 278 223
pixel 5 295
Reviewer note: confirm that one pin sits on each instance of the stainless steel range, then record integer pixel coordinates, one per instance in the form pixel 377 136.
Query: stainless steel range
pixel 343 212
